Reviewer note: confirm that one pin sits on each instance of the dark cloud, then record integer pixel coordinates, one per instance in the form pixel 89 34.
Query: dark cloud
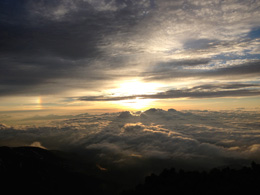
pixel 35 51
pixel 76 32
pixel 71 39
pixel 178 64
pixel 103 98
pixel 201 91
pixel 200 94
pixel 44 41
pixel 199 44
pixel 250 68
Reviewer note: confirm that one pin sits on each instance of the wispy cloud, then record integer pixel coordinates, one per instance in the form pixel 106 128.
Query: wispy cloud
pixel 249 68
pixel 201 91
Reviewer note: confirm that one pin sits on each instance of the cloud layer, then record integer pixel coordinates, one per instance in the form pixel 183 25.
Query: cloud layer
pixel 190 139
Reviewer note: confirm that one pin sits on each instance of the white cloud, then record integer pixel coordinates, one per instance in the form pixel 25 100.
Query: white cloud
pixel 38 145
pixel 208 138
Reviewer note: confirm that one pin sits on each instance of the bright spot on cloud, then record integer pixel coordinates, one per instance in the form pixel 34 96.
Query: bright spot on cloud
pixel 39 100
pixel 39 103
pixel 38 145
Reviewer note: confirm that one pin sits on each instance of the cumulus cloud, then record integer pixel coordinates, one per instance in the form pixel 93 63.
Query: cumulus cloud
pixel 193 138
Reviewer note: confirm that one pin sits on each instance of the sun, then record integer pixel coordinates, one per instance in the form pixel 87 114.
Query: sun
pixel 134 88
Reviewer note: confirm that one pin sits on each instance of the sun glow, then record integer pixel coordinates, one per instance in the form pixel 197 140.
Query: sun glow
pixel 136 103
pixel 39 103
pixel 134 88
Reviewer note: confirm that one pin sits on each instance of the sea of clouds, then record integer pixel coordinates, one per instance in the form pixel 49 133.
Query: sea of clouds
pixel 154 138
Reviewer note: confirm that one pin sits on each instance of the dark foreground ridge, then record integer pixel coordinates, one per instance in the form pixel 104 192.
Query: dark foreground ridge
pixel 31 170
pixel 215 182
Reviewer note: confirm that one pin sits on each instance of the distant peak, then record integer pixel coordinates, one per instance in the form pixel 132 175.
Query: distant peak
pixel 125 114
pixel 152 110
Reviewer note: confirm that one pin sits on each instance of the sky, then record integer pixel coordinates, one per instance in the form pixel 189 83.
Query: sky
pixel 113 55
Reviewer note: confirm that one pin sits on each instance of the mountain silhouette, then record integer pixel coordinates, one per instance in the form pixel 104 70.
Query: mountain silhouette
pixel 215 182
pixel 31 170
